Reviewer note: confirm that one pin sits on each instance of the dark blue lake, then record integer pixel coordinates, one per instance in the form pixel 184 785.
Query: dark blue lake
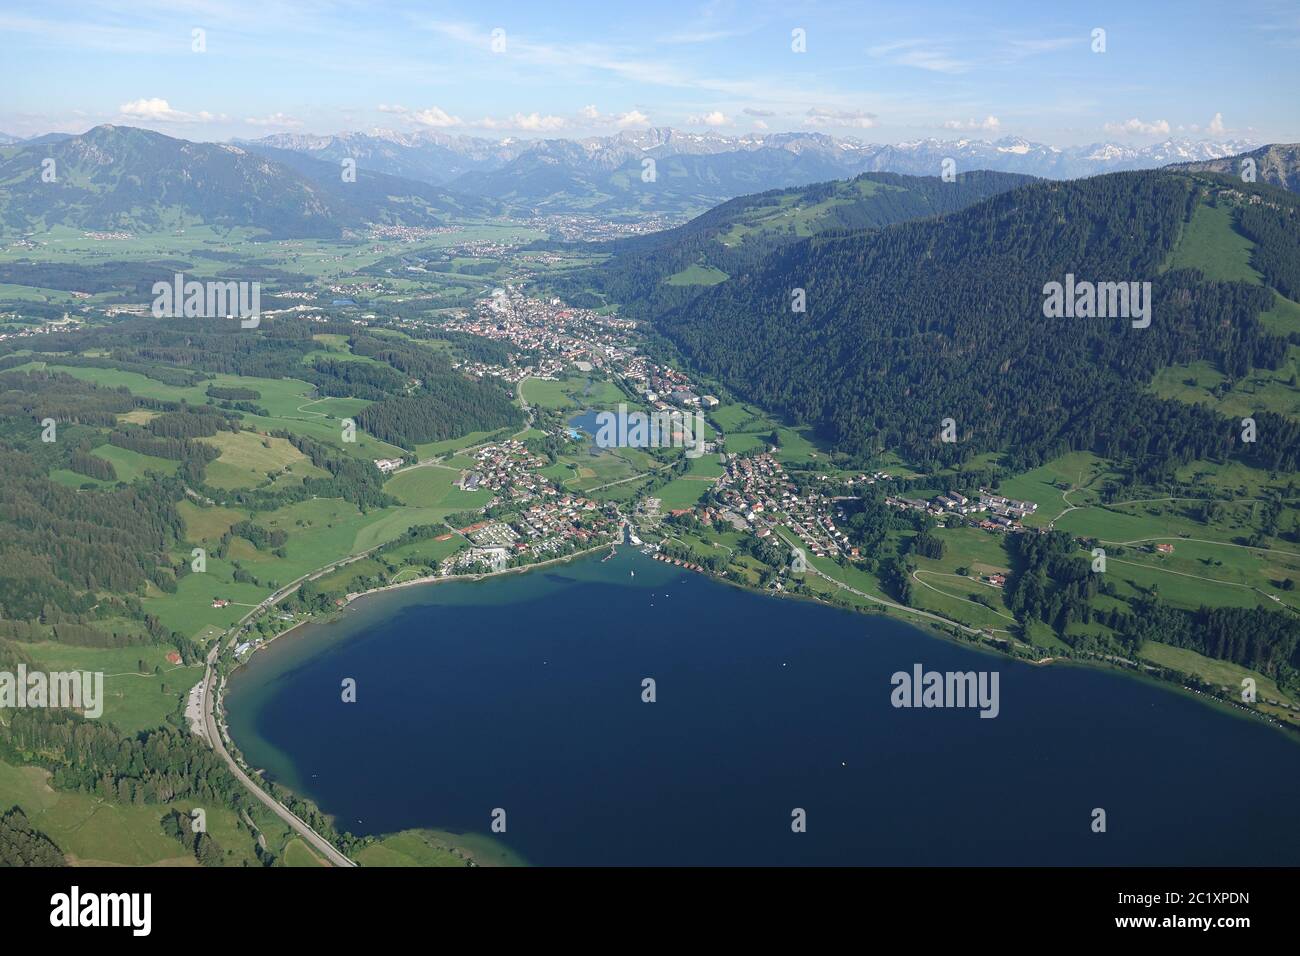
pixel 589 423
pixel 524 692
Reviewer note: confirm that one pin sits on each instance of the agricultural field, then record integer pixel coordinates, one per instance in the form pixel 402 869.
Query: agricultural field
pixel 1220 673
pixel 206 524
pixel 748 430
pixel 91 831
pixel 434 487
pixel 328 430
pixel 1180 588
pixel 248 459
pixel 434 848
pixel 1063 483
pixel 683 492
pixel 573 391
pixel 134 699
pixel 1144 521
pixel 131 465
pixel 438 449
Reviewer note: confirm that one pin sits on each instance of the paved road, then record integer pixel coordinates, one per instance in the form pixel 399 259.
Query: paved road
pixel 208 702
pixel 208 707
pixel 318 842
pixel 871 597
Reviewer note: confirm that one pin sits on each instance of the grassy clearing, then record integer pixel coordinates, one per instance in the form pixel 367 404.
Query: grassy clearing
pixel 426 487
pixel 134 699
pixel 131 465
pixel 434 848
pixel 329 431
pixel 1283 318
pixel 697 275
pixel 247 459
pixel 573 391
pixel 1217 672
pixel 91 831
pixel 1200 383
pixel 439 448
pixel 207 523
pixel 433 490
pixel 395 522
pixel 297 853
pixel 1049 484
pixel 1212 244
pixel 682 493
pixel 1132 577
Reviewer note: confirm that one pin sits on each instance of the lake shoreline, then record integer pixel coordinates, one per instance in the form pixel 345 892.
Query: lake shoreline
pixel 490 700
pixel 927 625
pixel 351 598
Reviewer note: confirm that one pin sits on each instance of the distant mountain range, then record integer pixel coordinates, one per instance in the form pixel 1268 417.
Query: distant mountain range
pixel 1278 164
pixel 699 169
pixel 122 178
pixel 117 177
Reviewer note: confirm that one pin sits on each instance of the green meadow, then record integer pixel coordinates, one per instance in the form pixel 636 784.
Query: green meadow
pixel 697 275
pixel 134 699
pixel 434 848
pixel 575 391
pixel 434 487
pixel 1211 243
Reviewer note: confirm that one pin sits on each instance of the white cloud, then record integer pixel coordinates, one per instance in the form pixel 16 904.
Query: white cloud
pixel 158 110
pixel 857 119
pixel 989 123
pixel 1132 126
pixel 632 119
pixel 435 117
pixel 535 122
pixel 530 122
pixel 275 119
pixel 715 118
pixel 1216 125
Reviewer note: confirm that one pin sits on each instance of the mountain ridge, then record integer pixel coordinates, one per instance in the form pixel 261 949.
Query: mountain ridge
pixel 602 174
pixel 969 339
pixel 122 177
pixel 1276 163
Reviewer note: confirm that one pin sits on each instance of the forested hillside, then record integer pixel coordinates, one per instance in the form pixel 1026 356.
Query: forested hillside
pixel 907 326
pixel 75 557
pixel 737 234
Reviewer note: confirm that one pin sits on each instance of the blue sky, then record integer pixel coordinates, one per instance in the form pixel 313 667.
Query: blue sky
pixel 880 71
